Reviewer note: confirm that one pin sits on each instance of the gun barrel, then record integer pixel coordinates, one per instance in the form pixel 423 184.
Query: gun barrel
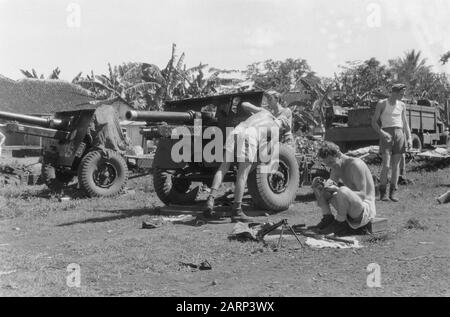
pixel 42 122
pixel 161 116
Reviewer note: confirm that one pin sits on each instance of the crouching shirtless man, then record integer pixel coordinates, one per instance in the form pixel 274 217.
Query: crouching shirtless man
pixel 354 201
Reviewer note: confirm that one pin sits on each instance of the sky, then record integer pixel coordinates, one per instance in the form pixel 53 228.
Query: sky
pixel 82 35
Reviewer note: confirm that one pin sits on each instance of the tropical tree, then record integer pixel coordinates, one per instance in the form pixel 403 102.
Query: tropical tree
pixel 33 74
pixel 410 68
pixel 278 75
pixel 142 85
pixel 358 82
pixel 445 58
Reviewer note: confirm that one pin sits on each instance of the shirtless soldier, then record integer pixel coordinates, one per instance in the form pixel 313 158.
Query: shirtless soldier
pixel 354 202
pixel 252 131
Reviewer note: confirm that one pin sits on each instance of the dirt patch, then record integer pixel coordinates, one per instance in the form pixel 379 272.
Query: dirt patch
pixel 41 236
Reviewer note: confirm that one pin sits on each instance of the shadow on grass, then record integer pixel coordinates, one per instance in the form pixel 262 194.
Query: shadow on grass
pixel 431 165
pixel 307 198
pixel 47 193
pixel 119 214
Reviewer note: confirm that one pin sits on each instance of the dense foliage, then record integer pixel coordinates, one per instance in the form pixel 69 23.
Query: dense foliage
pixel 358 83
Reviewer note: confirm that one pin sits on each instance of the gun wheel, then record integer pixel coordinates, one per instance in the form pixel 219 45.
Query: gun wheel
pixel 171 190
pixel 275 191
pixel 102 174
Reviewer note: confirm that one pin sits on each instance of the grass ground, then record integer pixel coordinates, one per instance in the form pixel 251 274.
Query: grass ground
pixel 40 236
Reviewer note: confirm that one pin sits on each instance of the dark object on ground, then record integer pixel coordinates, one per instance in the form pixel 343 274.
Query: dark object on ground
pixel 151 224
pixel 284 226
pixel 312 234
pixel 204 266
pixel 244 232
pixel 444 198
pixel 404 181
pixel 414 224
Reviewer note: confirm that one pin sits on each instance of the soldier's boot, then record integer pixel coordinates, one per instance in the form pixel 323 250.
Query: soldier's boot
pixel 237 215
pixel 383 193
pixel 325 222
pixel 393 193
pixel 209 213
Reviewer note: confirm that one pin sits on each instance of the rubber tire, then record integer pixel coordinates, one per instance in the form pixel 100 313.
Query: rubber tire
pixel 87 167
pixel 258 185
pixel 416 143
pixel 54 178
pixel 168 194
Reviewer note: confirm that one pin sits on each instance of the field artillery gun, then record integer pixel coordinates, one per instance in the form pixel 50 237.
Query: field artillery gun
pixel 86 143
pixel 175 180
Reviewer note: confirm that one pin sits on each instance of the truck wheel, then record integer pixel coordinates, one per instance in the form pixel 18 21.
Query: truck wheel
pixel 416 143
pixel 102 175
pixel 173 191
pixel 275 191
pixel 55 179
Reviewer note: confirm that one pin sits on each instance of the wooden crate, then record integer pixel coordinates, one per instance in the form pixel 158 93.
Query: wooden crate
pixel 377 225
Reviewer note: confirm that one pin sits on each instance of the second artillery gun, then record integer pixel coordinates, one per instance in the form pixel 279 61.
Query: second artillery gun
pixel 86 143
pixel 174 180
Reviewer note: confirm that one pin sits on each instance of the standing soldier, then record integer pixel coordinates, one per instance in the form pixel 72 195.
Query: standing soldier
pixel 395 136
pixel 2 141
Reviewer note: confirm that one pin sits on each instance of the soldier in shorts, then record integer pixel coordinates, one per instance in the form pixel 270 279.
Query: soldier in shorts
pixel 2 140
pixel 282 113
pixel 244 144
pixel 391 124
pixel 354 202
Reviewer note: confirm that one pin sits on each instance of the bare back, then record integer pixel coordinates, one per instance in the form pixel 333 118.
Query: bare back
pixel 355 174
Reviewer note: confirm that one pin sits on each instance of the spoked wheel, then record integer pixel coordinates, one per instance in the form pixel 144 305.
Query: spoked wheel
pixel 103 173
pixel 279 180
pixel 275 190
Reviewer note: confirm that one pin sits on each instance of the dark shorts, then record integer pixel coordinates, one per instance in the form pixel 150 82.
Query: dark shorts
pixel 397 144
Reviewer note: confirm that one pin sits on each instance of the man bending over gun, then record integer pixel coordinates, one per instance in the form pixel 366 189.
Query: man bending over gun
pixel 253 132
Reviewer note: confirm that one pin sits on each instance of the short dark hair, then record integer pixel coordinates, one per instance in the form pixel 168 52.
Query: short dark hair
pixel 329 149
pixel 272 94
pixel 398 87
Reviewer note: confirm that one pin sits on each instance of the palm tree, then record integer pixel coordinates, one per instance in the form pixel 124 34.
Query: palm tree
pixel 142 85
pixel 33 74
pixel 445 58
pixel 409 68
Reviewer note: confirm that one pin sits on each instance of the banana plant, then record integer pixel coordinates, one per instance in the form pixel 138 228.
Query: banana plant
pixel 33 74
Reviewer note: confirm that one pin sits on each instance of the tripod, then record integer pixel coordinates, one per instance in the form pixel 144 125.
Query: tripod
pixel 284 226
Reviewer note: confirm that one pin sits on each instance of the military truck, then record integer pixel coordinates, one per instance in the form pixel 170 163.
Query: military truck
pixel 423 117
pixel 174 181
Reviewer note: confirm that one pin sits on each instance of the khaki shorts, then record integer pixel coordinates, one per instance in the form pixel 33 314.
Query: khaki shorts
pixel 397 144
pixel 242 146
pixel 369 213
